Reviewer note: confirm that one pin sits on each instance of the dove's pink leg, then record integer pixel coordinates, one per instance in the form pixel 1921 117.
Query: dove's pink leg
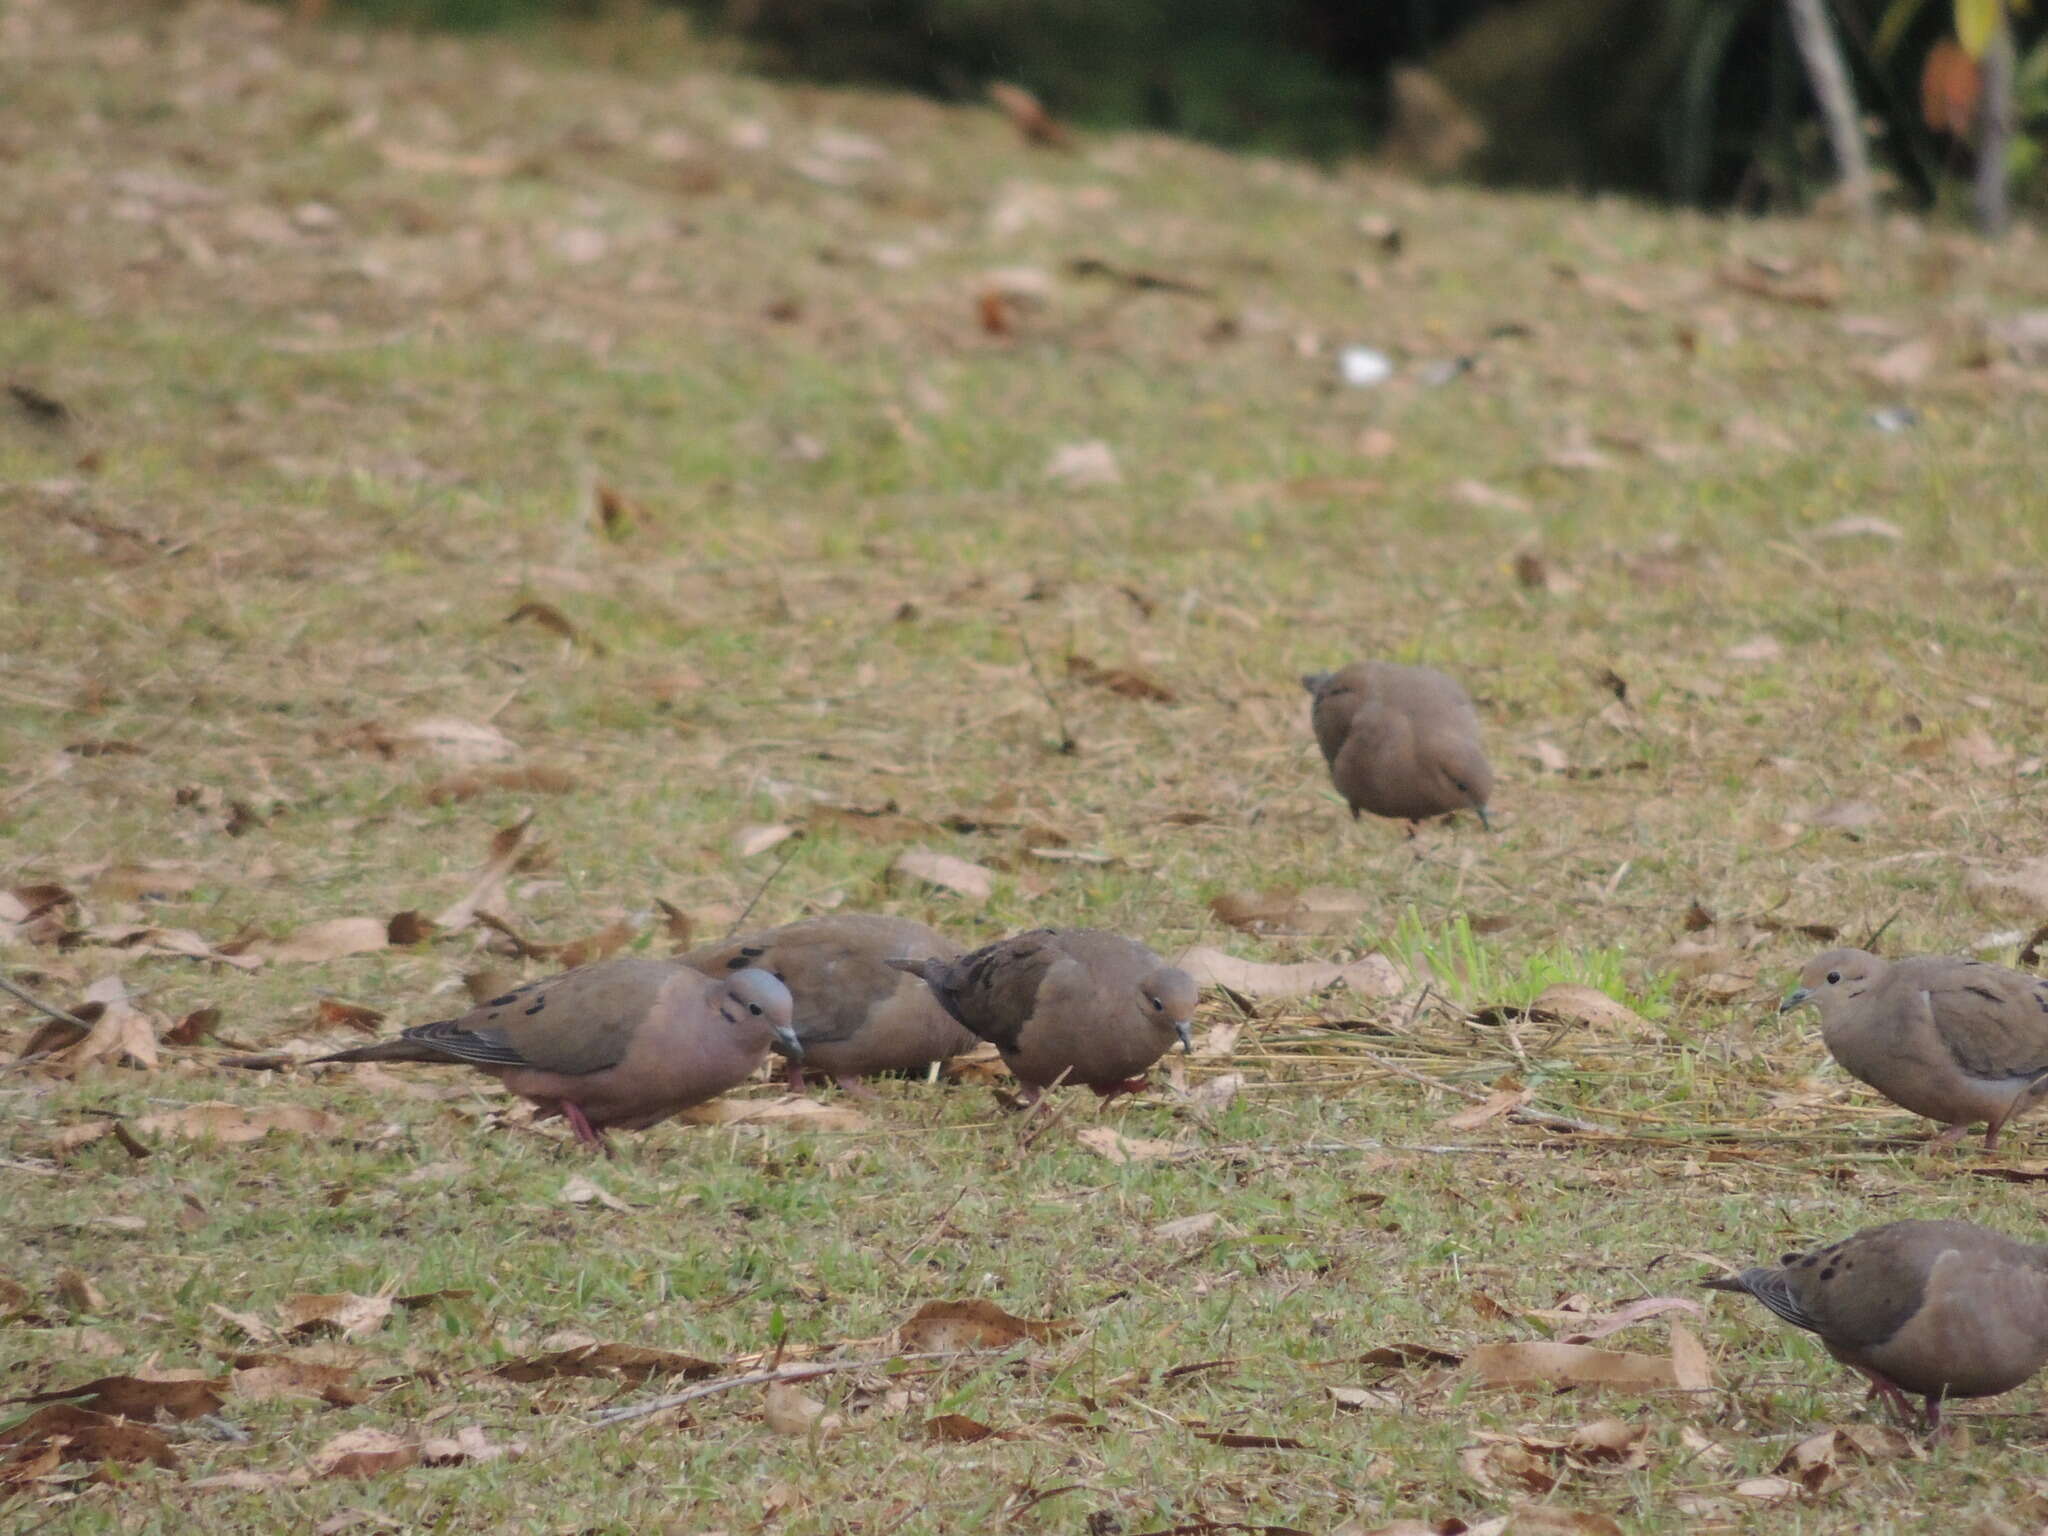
pixel 586 1133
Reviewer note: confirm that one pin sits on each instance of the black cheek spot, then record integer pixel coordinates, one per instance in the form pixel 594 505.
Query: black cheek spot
pixel 1986 993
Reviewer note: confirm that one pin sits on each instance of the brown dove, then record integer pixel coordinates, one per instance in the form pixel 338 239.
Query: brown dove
pixel 1400 741
pixel 1940 1309
pixel 624 1043
pixel 855 1014
pixel 1068 1005
pixel 1958 1041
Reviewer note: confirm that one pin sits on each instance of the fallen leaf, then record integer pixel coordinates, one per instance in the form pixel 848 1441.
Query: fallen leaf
pixel 488 887
pixel 1691 1370
pixel 1590 1327
pixel 343 1312
pixel 79 1434
pixel 940 1327
pixel 788 1411
pixel 794 1111
pixel 139 1397
pixel 2019 890
pixel 1860 525
pixel 1503 1463
pixel 459 741
pixel 1283 909
pixel 1357 1399
pixel 580 1190
pixel 619 1362
pixel 1182 1228
pixel 956 1429
pixel 1104 1141
pixel 1028 116
pixel 1768 1490
pixel 945 872
pixel 1127 682
pixel 1761 648
pixel 265 1378
pixel 1569 1365
pixel 1549 1520
pixel 1218 1092
pixel 1487 498
pixel 74 1287
pixel 1373 976
pixel 1084 466
pixel 330 940
pixel 213 1120
pixel 1492 1107
pixel 364 1452
pixel 468 1446
pixel 751 840
pixel 1570 1003
pixel 1239 1440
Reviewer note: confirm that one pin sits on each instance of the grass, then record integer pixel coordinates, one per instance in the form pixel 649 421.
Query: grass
pixel 351 327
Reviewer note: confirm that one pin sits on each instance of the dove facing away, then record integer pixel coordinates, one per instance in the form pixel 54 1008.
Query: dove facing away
pixel 1068 1005
pixel 622 1044
pixel 1401 742
pixel 855 1014
pixel 1958 1041
pixel 1940 1309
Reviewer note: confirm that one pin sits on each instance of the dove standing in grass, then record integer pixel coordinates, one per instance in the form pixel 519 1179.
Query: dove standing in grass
pixel 1940 1309
pixel 1068 1005
pixel 855 1013
pixel 1958 1041
pixel 1401 742
pixel 625 1043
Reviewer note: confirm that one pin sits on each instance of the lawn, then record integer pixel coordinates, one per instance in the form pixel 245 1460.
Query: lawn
pixel 541 476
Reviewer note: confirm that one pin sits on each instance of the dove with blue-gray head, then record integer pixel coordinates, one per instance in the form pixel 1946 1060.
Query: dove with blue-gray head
pixel 622 1044
pixel 1960 1041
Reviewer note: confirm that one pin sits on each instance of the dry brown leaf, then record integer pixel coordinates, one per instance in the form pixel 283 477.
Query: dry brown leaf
pixel 1549 1520
pixel 1492 1107
pixel 75 1288
pixel 213 1120
pixel 944 1326
pixel 1569 1365
pixel 536 780
pixel 1691 1370
pixel 1373 976
pixel 1816 1461
pixel 1761 648
pixel 1028 116
pixel 945 872
pixel 620 1362
pixel 791 1111
pixel 332 939
pixel 1182 1228
pixel 1860 525
pixel 183 943
pixel 1084 466
pixel 1590 1326
pixel 120 1033
pixel 1501 1463
pixel 488 887
pixel 1283 909
pixel 1104 1141
pixel 956 1429
pixel 1768 1490
pixel 2020 890
pixel 343 1312
pixel 1126 682
pixel 79 1434
pixel 364 1452
pixel 1569 1002
pixel 459 741
pixel 140 1397
pixel 788 1411
pixel 264 1378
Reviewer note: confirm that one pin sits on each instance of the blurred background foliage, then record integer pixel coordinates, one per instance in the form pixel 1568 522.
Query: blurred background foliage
pixel 1695 101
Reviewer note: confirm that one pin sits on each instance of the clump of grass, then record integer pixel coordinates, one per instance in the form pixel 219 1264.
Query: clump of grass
pixel 1480 971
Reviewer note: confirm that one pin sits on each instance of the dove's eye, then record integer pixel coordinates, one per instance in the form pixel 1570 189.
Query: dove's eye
pixel 1833 977
pixel 753 1008
pixel 1158 1006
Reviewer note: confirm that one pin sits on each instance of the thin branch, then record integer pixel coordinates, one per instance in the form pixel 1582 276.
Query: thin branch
pixel 46 1008
pixel 1068 746
pixel 762 1379
pixel 795 843
pixel 1829 77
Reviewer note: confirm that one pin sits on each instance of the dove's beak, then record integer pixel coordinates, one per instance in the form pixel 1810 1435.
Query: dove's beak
pixel 1794 998
pixel 1484 820
pixel 1186 1031
pixel 788 1042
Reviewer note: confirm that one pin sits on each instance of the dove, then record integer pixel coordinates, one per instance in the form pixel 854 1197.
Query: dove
pixel 1940 1309
pixel 855 1014
pixel 1401 742
pixel 1958 1041
pixel 1072 1005
pixel 624 1043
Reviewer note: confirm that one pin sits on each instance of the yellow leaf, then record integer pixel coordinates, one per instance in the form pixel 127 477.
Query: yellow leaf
pixel 1977 23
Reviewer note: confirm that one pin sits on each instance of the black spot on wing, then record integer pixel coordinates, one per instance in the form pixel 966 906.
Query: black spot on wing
pixel 503 1002
pixel 538 1004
